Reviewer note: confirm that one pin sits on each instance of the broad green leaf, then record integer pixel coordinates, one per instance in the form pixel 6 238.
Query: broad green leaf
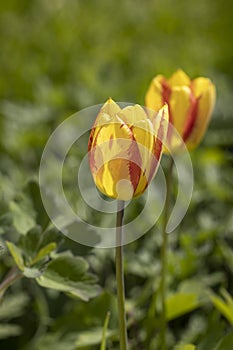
pixel 181 303
pixel 226 343
pixel 9 330
pixel 22 216
pixel 85 291
pixel 13 306
pixel 30 241
pixel 69 267
pixel 50 236
pixel 68 274
pixel 16 254
pixel 43 252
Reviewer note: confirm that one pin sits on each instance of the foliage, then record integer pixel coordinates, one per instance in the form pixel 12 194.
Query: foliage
pixel 58 57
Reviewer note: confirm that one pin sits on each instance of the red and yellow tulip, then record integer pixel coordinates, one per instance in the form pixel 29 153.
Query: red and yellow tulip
pixel 190 104
pixel 125 147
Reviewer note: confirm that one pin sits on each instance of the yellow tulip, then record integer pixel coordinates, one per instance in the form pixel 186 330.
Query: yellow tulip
pixel 190 103
pixel 125 148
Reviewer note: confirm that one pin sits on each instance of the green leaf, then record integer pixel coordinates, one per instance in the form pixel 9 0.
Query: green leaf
pixel 185 347
pixel 50 236
pixel 31 272
pixel 224 306
pixel 3 249
pixel 93 337
pixel 41 214
pixel 73 341
pixel 43 252
pixel 16 254
pixel 9 330
pixel 85 291
pixel 181 303
pixel 5 222
pixel 22 216
pixel 225 343
pixel 68 274
pixel 31 239
pixel 13 306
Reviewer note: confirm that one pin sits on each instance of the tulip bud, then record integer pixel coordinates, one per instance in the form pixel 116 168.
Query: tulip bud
pixel 125 148
pixel 190 103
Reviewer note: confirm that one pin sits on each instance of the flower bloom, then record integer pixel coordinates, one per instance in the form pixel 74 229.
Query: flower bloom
pixel 190 104
pixel 125 148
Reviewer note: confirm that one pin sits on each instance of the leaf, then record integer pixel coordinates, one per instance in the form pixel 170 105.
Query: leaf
pixel 13 306
pixel 22 216
pixel 181 303
pixel 51 235
pixel 43 252
pixel 185 347
pixel 225 343
pixel 31 272
pixel 3 249
pixel 73 341
pixel 9 330
pixel 30 241
pixel 224 306
pixel 16 254
pixel 93 337
pixel 68 274
pixel 227 253
pixel 85 291
pixel 5 222
pixel 103 343
pixel 41 214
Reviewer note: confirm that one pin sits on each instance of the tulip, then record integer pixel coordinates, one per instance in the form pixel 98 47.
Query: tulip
pixel 125 147
pixel 190 103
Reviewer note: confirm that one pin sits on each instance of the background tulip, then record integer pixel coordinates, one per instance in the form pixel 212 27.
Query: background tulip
pixel 125 147
pixel 190 104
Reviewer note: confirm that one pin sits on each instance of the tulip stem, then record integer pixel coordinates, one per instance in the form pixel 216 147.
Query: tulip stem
pixel 164 256
pixel 120 277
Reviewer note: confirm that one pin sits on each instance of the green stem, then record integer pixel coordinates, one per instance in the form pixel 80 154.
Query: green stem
pixel 120 277
pixel 164 256
pixel 104 334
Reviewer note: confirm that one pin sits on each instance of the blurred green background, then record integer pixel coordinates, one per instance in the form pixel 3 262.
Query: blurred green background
pixel 58 57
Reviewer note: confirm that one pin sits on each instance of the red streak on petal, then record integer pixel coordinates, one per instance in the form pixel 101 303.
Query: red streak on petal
pixel 166 94
pixel 135 162
pixel 92 150
pixel 191 117
pixel 157 149
pixel 111 141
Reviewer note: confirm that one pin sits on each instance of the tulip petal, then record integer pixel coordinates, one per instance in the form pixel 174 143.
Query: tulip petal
pixel 205 90
pixel 144 136
pixel 179 78
pixel 200 85
pixel 160 124
pixel 107 112
pixel 132 114
pixel 111 159
pixel 154 96
pixel 180 103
